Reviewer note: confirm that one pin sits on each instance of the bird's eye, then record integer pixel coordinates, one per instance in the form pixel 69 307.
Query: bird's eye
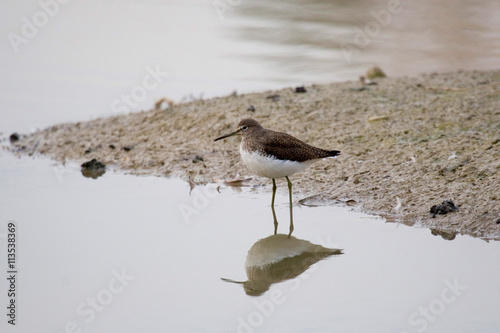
pixel 244 127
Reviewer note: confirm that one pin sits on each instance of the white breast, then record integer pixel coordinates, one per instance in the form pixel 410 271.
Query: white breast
pixel 269 167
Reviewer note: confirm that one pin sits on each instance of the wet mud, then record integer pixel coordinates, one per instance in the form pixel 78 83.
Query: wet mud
pixel 407 144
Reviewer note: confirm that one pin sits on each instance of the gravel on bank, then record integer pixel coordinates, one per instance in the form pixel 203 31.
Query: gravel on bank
pixel 407 144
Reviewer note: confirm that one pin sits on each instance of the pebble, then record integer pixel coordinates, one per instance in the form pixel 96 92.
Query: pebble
pixel 93 169
pixel 446 207
pixel 14 137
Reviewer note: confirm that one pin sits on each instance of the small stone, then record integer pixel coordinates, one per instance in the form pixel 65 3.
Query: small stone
pixel 14 137
pixel 320 200
pixel 446 207
pixel 197 159
pixel 375 72
pixel 301 89
pixel 127 147
pixel 446 235
pixel 93 169
pixel 112 146
pixel 93 164
pixel 251 108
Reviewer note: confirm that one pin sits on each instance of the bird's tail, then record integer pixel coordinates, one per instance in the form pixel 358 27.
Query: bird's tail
pixel 333 153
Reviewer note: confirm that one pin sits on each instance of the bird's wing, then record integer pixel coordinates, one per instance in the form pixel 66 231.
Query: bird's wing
pixel 286 147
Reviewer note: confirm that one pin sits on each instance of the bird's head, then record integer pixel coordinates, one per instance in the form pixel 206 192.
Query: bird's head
pixel 245 127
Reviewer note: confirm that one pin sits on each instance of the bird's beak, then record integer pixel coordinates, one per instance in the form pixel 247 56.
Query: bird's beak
pixel 228 135
pixel 232 281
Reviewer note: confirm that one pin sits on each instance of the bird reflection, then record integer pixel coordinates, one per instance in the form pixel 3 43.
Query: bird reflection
pixel 446 235
pixel 276 220
pixel 278 258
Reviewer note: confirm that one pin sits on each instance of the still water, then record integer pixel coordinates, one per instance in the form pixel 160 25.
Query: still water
pixel 123 253
pixel 83 61
pixel 141 254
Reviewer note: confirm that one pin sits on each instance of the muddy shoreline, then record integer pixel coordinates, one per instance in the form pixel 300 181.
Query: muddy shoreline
pixel 407 144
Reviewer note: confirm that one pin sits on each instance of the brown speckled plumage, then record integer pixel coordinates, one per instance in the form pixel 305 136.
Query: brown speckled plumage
pixel 275 155
pixel 279 145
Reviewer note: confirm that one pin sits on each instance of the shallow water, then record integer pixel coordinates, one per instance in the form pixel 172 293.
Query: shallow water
pixel 122 253
pixel 82 61
pixel 77 235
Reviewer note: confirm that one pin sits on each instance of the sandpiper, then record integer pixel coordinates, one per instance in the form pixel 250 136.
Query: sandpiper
pixel 275 155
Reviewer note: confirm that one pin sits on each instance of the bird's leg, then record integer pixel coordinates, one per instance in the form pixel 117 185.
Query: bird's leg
pixel 272 208
pixel 291 209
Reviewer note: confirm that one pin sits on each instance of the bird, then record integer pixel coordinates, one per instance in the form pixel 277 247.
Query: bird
pixel 279 258
pixel 273 154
